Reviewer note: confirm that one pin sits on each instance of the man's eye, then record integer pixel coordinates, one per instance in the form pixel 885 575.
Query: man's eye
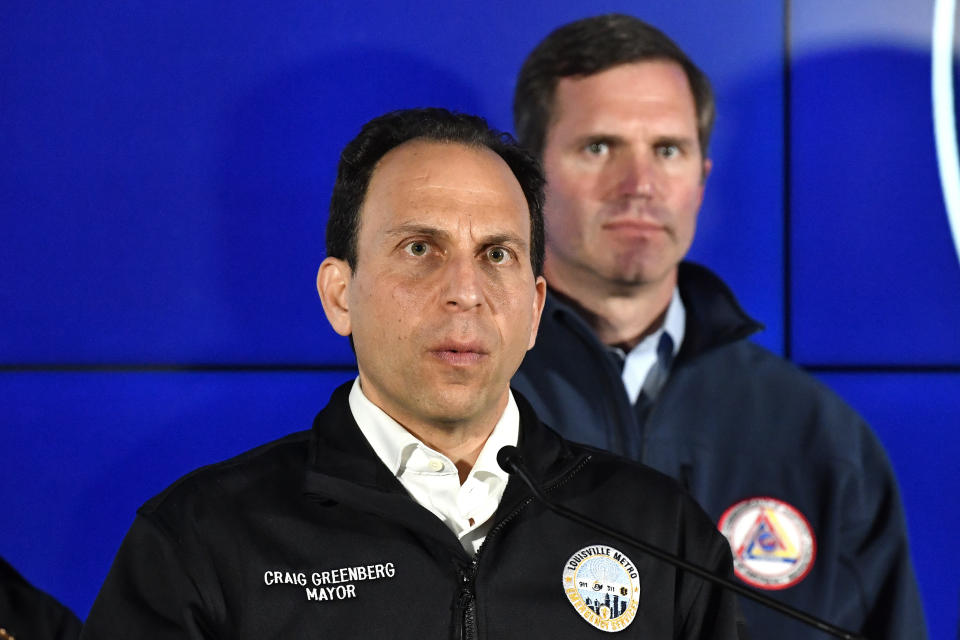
pixel 417 248
pixel 597 148
pixel 498 255
pixel 668 151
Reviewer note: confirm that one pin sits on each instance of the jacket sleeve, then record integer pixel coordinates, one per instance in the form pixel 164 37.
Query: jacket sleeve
pixel 874 535
pixel 149 591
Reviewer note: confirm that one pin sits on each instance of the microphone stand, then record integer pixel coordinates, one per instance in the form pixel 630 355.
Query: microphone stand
pixel 510 461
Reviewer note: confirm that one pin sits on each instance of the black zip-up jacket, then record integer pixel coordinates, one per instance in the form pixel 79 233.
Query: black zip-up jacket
pixel 30 614
pixel 311 536
pixel 735 422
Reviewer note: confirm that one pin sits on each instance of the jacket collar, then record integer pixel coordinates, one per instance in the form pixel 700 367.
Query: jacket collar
pixel 714 316
pixel 343 467
pixel 338 448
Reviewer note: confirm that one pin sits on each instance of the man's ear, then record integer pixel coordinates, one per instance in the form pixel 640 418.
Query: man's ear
pixel 538 301
pixel 333 285
pixel 705 171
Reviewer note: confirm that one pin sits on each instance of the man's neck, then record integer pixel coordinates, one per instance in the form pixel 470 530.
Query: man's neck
pixel 461 441
pixel 621 315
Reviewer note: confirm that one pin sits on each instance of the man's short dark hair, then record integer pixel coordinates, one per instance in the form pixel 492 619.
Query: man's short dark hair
pixel 361 155
pixel 589 46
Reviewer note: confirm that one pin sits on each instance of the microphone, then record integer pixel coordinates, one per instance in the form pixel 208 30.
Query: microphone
pixel 511 461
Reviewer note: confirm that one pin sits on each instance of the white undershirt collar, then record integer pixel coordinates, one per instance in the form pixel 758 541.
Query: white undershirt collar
pixel 431 478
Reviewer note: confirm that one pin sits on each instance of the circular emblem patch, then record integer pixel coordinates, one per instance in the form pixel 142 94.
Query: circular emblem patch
pixel 603 585
pixel 772 543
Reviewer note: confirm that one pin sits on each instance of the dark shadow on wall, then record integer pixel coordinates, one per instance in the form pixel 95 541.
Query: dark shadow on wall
pixel 740 225
pixel 874 274
pixel 866 215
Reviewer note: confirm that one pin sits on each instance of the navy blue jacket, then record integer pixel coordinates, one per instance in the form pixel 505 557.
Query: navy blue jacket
pixel 736 422
pixel 312 536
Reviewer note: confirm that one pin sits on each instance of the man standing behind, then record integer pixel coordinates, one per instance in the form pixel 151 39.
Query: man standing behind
pixel 391 518
pixel 646 355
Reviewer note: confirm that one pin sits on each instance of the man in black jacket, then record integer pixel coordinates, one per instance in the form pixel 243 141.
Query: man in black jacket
pixel 647 356
pixel 30 614
pixel 391 517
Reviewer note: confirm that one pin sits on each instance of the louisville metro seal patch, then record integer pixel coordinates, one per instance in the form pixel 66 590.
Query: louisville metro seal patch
pixel 773 544
pixel 603 585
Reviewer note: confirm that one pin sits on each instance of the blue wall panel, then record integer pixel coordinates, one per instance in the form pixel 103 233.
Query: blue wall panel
pixel 166 172
pixel 916 417
pixel 876 279
pixel 167 168
pixel 82 451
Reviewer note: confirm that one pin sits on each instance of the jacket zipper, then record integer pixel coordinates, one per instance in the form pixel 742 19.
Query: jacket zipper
pixel 466 604
pixel 466 598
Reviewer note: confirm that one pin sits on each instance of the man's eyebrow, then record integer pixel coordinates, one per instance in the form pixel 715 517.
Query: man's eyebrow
pixel 509 239
pixel 506 238
pixel 599 136
pixel 679 141
pixel 417 230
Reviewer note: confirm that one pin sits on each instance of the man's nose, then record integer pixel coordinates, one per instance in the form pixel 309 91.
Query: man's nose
pixel 635 175
pixel 463 283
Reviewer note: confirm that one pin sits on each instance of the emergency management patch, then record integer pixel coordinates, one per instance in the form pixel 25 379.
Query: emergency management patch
pixel 773 544
pixel 603 585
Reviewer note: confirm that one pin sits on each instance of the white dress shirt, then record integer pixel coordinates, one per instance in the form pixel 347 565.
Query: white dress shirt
pixel 640 360
pixel 431 478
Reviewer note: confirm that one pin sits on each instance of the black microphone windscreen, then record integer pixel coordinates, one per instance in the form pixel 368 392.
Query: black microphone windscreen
pixel 507 456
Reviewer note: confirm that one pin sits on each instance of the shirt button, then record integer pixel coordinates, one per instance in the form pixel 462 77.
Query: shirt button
pixel 436 465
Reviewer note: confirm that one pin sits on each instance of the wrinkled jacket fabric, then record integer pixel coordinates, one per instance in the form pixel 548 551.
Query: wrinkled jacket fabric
pixel 311 536
pixel 733 422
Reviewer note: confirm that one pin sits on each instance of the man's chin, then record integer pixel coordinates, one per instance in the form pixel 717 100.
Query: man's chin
pixel 463 404
pixel 634 272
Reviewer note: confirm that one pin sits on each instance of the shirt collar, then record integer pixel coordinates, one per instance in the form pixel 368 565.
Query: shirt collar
pixel 674 324
pixel 636 365
pixel 393 444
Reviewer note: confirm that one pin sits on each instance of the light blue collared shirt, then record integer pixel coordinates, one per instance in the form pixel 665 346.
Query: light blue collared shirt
pixel 640 359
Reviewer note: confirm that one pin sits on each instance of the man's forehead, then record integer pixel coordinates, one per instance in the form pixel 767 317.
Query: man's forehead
pixel 623 90
pixel 442 184
pixel 425 163
pixel 426 150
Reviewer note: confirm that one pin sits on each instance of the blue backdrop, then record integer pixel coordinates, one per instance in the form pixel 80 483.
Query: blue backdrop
pixel 163 188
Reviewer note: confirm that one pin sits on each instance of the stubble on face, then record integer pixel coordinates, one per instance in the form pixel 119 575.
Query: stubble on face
pixel 443 304
pixel 624 180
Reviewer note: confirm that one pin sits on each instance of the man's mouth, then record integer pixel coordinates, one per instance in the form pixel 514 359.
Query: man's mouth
pixel 633 226
pixel 459 354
